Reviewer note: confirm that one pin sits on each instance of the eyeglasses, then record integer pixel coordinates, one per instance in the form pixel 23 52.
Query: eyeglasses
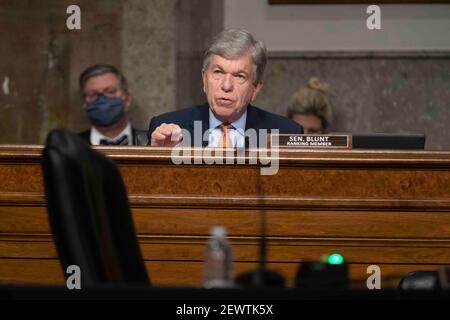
pixel 239 77
pixel 108 92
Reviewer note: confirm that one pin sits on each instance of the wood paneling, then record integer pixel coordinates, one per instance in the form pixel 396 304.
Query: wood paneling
pixel 187 273
pixel 375 207
pixel 241 222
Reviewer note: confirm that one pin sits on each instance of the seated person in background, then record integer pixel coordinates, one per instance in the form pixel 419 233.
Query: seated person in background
pixel 233 68
pixel 309 107
pixel 107 102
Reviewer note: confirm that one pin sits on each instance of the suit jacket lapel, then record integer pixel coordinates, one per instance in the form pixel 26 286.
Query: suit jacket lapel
pixel 133 137
pixel 253 120
pixel 201 114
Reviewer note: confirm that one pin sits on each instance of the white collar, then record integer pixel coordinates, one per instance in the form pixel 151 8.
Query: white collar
pixel 96 135
pixel 238 124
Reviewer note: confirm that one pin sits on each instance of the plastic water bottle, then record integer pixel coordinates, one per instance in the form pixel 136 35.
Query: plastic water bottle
pixel 218 271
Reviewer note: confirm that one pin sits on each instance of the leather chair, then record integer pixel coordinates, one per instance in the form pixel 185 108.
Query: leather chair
pixel 89 213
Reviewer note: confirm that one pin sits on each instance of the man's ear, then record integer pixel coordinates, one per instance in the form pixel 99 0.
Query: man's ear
pixel 128 100
pixel 258 88
pixel 204 80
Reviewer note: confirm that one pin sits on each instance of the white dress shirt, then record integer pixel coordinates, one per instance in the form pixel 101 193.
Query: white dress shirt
pixel 97 136
pixel 236 134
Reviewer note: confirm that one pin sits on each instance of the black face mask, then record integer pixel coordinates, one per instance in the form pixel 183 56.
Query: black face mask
pixel 105 111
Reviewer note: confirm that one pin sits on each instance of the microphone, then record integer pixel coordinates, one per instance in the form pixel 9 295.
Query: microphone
pixel 261 277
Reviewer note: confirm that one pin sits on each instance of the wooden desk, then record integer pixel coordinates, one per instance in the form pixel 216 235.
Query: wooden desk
pixel 390 208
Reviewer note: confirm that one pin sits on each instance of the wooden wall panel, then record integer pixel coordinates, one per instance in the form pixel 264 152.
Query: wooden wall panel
pixel 189 274
pixel 374 207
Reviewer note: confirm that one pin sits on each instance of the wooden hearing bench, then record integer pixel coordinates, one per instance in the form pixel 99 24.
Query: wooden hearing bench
pixel 385 208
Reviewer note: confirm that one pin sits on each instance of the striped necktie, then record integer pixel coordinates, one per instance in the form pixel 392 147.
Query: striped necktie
pixel 225 140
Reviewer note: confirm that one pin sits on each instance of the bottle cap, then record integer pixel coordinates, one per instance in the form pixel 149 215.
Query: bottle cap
pixel 218 231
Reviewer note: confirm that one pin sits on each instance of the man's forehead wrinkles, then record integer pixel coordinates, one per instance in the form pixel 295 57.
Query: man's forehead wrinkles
pixel 233 67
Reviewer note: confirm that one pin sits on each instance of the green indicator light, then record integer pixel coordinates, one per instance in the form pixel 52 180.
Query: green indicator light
pixel 335 258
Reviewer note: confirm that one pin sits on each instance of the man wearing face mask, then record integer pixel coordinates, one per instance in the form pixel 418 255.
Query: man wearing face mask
pixel 107 102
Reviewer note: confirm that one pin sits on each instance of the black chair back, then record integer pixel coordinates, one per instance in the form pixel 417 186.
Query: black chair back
pixel 89 213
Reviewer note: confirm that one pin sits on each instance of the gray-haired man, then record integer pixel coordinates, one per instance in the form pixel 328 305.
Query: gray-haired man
pixel 232 73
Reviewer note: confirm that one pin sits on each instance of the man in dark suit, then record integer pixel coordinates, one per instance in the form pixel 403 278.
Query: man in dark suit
pixel 232 75
pixel 107 103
